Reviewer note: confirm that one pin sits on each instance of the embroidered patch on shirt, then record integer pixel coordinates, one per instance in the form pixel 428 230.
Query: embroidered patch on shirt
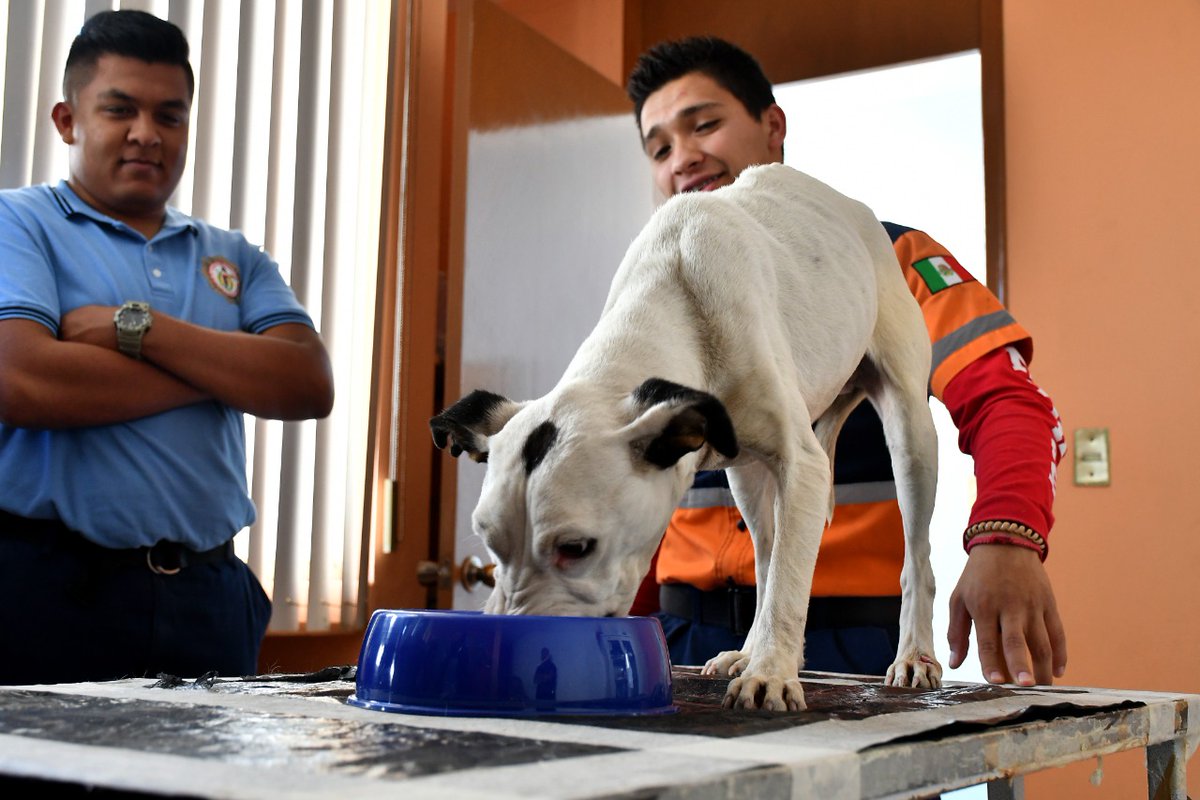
pixel 941 272
pixel 224 277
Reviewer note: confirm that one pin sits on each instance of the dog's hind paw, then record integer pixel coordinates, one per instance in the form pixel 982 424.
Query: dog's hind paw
pixel 771 693
pixel 729 662
pixel 916 670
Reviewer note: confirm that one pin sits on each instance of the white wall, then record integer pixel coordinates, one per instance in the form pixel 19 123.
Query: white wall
pixel 550 211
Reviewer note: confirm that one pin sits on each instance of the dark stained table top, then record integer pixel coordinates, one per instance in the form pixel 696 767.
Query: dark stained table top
pixel 294 736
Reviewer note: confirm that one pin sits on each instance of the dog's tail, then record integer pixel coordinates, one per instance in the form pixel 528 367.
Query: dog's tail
pixel 829 425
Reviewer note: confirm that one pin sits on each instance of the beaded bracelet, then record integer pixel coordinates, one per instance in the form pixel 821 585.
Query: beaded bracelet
pixel 1005 529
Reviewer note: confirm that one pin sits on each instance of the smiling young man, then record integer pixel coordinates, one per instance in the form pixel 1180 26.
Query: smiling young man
pixel 705 112
pixel 699 137
pixel 132 340
pixel 126 122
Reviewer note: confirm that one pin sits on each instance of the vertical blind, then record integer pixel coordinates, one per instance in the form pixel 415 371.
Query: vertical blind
pixel 286 145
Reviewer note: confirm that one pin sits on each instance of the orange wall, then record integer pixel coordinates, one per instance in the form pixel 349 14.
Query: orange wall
pixel 1103 134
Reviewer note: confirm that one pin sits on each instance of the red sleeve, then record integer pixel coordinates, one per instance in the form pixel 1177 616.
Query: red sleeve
pixel 1012 430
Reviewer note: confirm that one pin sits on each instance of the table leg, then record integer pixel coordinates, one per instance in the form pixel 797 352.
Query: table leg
pixel 1166 770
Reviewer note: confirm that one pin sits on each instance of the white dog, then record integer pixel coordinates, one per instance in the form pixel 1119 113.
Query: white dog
pixel 737 320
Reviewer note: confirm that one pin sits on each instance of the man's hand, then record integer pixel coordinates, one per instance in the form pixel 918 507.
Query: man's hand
pixel 1004 589
pixel 89 325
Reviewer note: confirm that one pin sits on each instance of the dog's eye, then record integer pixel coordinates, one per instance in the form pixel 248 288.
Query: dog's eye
pixel 574 549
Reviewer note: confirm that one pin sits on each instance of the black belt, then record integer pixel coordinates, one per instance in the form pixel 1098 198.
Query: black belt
pixel 733 608
pixel 163 557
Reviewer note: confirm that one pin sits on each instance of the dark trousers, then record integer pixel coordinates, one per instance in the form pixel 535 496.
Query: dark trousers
pixel 858 650
pixel 844 634
pixel 71 611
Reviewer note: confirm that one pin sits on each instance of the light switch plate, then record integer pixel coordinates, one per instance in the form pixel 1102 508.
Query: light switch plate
pixel 1092 457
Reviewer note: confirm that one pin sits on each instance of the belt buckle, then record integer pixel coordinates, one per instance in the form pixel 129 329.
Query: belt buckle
pixel 160 570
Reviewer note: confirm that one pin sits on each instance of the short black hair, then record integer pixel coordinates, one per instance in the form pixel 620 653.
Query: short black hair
pixel 730 66
pixel 129 33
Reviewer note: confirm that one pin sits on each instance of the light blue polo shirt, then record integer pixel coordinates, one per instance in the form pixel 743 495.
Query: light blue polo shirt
pixel 179 475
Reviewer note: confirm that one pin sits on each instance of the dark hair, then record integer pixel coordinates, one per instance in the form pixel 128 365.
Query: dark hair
pixel 134 34
pixel 730 66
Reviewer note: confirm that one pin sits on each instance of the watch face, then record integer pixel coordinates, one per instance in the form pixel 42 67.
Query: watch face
pixel 134 318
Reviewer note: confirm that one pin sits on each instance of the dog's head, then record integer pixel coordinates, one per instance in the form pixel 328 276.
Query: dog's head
pixel 580 486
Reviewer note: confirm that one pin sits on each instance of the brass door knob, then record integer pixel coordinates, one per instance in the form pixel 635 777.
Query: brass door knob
pixel 473 572
pixel 470 573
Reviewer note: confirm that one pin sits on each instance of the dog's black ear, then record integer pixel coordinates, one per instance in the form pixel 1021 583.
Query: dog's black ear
pixel 677 420
pixel 465 426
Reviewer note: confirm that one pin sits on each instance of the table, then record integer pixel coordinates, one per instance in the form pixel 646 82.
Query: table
pixel 295 737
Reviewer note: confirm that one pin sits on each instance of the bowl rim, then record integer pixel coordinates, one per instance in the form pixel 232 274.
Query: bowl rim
pixel 531 712
pixel 480 614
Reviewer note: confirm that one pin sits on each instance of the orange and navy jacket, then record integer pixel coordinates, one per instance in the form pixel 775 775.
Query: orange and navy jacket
pixel 980 372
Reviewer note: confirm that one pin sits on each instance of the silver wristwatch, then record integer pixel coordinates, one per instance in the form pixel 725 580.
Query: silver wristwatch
pixel 132 321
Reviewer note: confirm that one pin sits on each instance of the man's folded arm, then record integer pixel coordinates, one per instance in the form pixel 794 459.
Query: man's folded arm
pixel 281 373
pixel 49 383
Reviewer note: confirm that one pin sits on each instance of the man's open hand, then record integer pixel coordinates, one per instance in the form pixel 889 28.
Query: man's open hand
pixel 1005 591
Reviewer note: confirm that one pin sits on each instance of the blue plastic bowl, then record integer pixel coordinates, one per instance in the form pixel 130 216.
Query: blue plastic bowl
pixel 466 663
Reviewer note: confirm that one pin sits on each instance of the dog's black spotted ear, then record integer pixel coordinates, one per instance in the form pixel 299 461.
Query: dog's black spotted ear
pixel 676 420
pixel 465 426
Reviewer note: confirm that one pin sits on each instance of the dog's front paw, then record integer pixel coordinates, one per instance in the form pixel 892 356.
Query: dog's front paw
pixel 916 669
pixel 768 692
pixel 729 662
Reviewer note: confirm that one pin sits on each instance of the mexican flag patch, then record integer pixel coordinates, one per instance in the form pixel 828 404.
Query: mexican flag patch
pixel 941 272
